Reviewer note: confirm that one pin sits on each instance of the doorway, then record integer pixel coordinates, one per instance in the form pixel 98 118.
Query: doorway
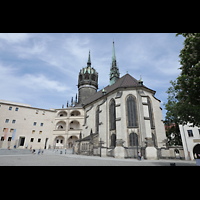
pixel 196 151
pixel 21 141
pixel 46 143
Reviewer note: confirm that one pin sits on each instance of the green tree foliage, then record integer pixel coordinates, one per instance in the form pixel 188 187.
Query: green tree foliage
pixel 183 103
pixel 187 86
pixel 171 118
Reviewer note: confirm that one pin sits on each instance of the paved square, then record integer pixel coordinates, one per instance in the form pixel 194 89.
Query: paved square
pixel 55 159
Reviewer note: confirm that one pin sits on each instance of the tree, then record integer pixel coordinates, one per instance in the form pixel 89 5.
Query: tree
pixel 171 119
pixel 187 85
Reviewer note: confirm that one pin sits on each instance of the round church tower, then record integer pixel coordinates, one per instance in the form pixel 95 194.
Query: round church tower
pixel 87 82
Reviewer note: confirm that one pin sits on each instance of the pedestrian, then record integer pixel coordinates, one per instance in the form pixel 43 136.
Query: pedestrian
pixel 139 155
pixel 39 152
pixel 33 152
pixel 42 152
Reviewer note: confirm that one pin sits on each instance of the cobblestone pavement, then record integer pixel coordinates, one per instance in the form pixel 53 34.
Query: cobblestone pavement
pixel 53 159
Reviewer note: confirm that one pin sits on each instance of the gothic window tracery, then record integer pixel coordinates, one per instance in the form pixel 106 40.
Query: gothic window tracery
pixel 133 139
pixel 112 114
pixel 131 112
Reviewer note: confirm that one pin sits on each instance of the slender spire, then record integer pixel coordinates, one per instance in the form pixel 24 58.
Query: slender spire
pixel 89 61
pixel 113 56
pixel 114 70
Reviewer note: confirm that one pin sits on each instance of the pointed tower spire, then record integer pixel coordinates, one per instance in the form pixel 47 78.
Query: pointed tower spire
pixel 113 56
pixel 114 70
pixel 89 61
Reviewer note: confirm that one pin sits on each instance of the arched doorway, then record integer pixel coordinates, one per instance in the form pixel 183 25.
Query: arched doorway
pixel 59 142
pixel 196 151
pixel 71 141
pixel 133 139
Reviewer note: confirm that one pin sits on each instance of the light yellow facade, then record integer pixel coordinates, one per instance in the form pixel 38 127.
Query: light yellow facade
pixel 38 128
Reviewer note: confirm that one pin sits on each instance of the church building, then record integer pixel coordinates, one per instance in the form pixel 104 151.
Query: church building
pixel 120 120
pixel 125 115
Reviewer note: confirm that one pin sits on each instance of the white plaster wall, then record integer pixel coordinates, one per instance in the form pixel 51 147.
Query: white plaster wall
pixel 189 140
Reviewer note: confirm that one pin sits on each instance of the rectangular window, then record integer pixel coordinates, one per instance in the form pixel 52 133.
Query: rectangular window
pixel 33 131
pixel 9 138
pixel 41 124
pixel 13 121
pixel 7 120
pixel 11 130
pixel 32 139
pixel 2 138
pixel 10 108
pixel 40 132
pixel 39 139
pixel 16 109
pixel 34 124
pixel 199 131
pixel 190 133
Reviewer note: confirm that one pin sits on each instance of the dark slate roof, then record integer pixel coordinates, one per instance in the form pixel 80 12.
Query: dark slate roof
pixel 125 81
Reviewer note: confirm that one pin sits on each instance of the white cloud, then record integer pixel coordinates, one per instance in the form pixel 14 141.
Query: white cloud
pixel 40 82
pixel 14 37
pixel 37 49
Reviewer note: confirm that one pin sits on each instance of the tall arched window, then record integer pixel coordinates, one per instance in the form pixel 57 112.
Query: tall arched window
pixel 133 139
pixel 150 113
pixel 131 112
pixel 97 119
pixel 112 115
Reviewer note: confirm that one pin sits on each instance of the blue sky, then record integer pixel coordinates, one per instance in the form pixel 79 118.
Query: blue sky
pixel 42 69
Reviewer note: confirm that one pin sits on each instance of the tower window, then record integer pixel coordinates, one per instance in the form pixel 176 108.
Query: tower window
pixel 87 75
